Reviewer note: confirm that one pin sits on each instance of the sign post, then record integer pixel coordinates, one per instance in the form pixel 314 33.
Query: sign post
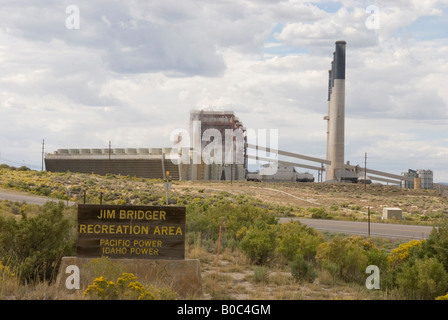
pixel 167 185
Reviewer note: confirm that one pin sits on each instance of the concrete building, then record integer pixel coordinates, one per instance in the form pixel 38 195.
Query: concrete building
pixel 426 179
pixel 142 162
pixel 211 131
pixel 336 115
pixel 422 179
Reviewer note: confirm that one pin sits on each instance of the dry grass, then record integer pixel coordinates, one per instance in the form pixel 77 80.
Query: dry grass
pixel 234 277
pixel 342 201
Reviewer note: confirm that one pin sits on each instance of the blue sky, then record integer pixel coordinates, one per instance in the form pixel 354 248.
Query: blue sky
pixel 133 70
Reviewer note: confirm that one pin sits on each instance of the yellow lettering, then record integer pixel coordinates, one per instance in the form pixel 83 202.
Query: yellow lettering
pixel 145 230
pixel 170 231
pixel 106 214
pixel 113 229
pixel 141 251
pixel 138 214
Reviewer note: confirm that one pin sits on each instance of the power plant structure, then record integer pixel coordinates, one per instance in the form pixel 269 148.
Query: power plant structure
pixel 227 133
pixel 139 162
pixel 284 173
pixel 336 117
pixel 217 149
pixel 423 179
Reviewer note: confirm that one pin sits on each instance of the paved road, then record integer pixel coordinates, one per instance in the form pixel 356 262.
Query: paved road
pixel 31 199
pixel 386 230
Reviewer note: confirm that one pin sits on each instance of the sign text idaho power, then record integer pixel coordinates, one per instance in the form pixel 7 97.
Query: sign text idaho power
pixel 136 232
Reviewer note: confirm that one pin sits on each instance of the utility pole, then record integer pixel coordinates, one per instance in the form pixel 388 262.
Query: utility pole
pixel 368 215
pixel 365 171
pixel 43 152
pixel 108 162
pixel 321 172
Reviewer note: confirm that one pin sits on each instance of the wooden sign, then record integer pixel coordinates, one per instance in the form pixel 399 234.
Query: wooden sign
pixel 131 232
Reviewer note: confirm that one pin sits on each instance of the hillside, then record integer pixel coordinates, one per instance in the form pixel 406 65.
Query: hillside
pixel 340 201
pixel 209 204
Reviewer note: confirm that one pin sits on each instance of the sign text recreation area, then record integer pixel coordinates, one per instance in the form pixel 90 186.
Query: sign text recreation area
pixel 136 232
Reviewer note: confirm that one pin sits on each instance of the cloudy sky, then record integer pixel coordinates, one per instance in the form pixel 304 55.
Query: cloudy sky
pixel 129 72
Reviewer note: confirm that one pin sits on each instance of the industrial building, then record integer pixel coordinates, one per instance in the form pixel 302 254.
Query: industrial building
pixel 285 173
pixel 206 128
pixel 422 179
pixel 142 162
pixel 154 162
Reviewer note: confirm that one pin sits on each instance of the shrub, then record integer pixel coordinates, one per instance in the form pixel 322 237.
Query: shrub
pixel 346 258
pixel 401 254
pixel 294 238
pixel 34 246
pixel 445 297
pixel 9 283
pixel 261 274
pixel 234 219
pixel 259 243
pixel 319 213
pixel 302 269
pixel 437 244
pixel 126 287
pixel 5 272
pixel 424 279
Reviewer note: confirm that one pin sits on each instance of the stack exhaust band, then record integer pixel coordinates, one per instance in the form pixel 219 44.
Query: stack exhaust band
pixel 336 112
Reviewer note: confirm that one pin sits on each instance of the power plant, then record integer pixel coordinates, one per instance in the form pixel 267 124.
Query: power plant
pixel 211 131
pixel 336 116
pixel 221 137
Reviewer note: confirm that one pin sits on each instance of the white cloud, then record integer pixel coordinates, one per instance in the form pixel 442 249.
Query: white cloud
pixel 134 69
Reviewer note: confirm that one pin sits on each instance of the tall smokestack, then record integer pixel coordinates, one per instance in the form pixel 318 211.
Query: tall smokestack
pixel 336 113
